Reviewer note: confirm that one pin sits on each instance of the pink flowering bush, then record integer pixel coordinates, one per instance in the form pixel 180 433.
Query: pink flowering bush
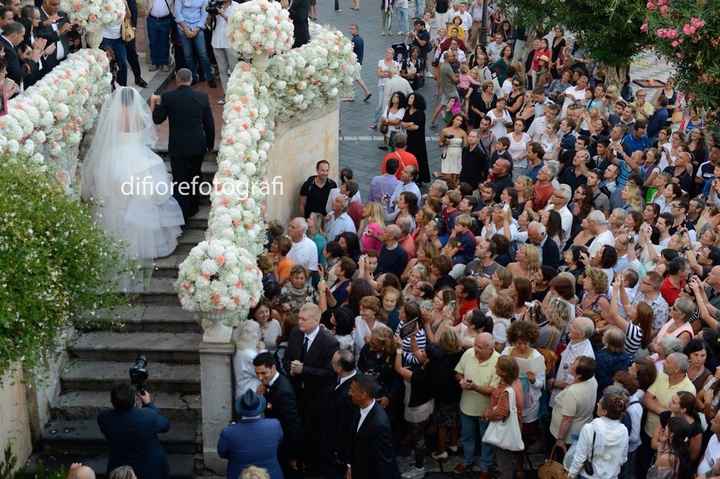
pixel 687 32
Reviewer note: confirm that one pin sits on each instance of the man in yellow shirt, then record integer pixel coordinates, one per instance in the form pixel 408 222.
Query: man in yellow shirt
pixel 476 374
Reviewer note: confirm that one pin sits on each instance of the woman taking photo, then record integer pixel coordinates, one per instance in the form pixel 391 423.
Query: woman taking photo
pixel 673 454
pixel 414 124
pixel 638 325
pixel 453 138
pixel 441 315
pixel 683 405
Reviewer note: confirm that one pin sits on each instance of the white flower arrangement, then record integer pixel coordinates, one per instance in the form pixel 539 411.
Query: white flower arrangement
pixel 47 121
pixel 217 276
pixel 260 26
pixel 94 14
pixel 286 85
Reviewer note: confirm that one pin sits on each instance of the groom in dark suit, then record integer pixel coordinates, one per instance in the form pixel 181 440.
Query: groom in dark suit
pixel 309 361
pixel 192 134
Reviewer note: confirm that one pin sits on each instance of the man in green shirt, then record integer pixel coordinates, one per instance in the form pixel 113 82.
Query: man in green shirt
pixel 476 374
pixel 448 83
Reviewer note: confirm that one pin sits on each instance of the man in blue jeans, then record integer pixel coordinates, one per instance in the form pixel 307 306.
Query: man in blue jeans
pixel 191 16
pixel 159 25
pixel 477 378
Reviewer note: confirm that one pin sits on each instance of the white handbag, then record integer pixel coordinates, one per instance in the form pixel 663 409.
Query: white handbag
pixel 506 434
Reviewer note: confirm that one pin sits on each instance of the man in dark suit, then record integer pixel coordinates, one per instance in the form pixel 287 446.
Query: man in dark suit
pixel 54 26
pixel 340 417
pixel 132 434
pixel 12 36
pixel 281 405
pixel 372 447
pixel 192 134
pixel 308 360
pixel 549 249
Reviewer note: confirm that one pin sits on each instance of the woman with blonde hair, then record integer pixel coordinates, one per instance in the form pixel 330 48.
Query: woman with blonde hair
pixel 527 262
pixel 442 314
pixel 371 227
pixel 370 318
pixel 632 196
pixel 594 302
pixel 524 187
pixel 254 472
pixel 415 275
pixel 316 232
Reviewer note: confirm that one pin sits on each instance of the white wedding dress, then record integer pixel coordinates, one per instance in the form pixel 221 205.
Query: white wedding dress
pixel 128 183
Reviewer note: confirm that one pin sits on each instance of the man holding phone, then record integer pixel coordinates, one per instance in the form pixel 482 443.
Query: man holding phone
pixel 476 375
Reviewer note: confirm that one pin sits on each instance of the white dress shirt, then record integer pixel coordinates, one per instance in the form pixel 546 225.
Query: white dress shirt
pixel 59 48
pixel 344 379
pixel 311 337
pixel 364 411
pixel 304 253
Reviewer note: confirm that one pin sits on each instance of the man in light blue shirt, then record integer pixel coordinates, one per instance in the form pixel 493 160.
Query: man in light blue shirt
pixel 338 221
pixel 191 16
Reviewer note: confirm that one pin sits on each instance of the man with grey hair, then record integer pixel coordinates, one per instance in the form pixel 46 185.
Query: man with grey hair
pixel 580 331
pixel 338 221
pixel 304 251
pixel 407 178
pixel 660 393
pixel 393 258
pixel 475 372
pixel 598 226
pixel 395 84
pixel 406 225
pixel 550 251
pixel 192 135
pixel 558 202
pixel 544 188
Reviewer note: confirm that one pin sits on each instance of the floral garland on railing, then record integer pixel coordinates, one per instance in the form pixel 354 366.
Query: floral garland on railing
pixel 47 121
pixel 285 85
pixel 93 14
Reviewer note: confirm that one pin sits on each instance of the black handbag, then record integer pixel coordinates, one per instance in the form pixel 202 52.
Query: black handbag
pixel 588 467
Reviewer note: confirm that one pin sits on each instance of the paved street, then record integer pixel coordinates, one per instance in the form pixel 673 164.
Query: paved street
pixel 358 144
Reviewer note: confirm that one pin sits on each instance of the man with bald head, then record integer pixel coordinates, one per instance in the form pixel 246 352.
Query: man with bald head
pixel 500 177
pixel 303 251
pixel 476 374
pixel 393 258
pixel 78 471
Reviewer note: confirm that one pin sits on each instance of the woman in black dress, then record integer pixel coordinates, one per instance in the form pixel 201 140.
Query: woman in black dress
pixel 414 124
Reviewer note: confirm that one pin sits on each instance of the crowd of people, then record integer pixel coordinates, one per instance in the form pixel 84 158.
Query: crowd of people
pixel 551 292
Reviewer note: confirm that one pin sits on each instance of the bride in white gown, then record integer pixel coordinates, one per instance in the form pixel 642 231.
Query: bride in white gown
pixel 128 182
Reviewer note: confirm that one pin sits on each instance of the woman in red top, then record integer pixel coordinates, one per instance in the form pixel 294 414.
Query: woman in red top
pixel 542 49
pixel 675 280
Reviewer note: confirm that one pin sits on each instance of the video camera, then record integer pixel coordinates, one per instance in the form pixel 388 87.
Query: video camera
pixel 139 374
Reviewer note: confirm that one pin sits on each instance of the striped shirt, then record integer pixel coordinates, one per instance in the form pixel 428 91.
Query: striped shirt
pixel 420 339
pixel 633 338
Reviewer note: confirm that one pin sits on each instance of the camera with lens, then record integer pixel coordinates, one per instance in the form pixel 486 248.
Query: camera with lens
pixel 139 374
pixel 214 6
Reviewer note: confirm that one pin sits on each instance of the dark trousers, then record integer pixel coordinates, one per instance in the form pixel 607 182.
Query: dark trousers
pixel 118 48
pixel 192 46
pixel 159 30
pixel 132 59
pixel 337 5
pixel 186 182
pixel 644 456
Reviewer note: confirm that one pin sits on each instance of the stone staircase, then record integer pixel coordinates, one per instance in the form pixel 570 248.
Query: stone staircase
pixel 156 326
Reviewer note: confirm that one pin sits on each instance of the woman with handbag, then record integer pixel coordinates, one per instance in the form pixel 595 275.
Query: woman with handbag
pixel 602 447
pixel 504 415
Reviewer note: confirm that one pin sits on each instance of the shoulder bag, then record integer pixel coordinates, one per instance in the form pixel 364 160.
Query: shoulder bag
pixel 127 31
pixel 552 469
pixel 506 434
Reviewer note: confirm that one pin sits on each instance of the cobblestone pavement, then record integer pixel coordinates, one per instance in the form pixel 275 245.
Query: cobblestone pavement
pixel 358 144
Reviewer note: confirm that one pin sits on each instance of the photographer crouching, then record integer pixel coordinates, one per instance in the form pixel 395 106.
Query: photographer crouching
pixel 132 432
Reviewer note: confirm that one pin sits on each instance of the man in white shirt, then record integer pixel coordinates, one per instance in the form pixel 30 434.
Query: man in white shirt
pixel 579 92
pixel 338 221
pixel 599 228
pixel 495 48
pixel 159 26
pixel 467 19
pixel 304 250
pixel 558 202
pixel 395 84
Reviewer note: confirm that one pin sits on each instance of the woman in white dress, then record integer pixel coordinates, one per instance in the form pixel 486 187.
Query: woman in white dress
pixel 453 138
pixel 128 183
pixel 519 141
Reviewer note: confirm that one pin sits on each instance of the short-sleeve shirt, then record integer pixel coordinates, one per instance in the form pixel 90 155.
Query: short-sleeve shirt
pixel 473 403
pixel 578 401
pixel 358 48
pixel 447 83
pixel 316 197
pixel 662 390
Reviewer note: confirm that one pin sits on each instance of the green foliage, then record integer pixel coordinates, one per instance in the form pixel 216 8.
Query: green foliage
pixel 678 36
pixel 609 30
pixel 54 263
pixel 9 463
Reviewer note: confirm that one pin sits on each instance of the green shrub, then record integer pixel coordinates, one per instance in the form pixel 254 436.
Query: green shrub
pixel 54 262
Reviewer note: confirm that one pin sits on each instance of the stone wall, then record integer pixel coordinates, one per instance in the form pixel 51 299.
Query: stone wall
pixel 14 417
pixel 297 147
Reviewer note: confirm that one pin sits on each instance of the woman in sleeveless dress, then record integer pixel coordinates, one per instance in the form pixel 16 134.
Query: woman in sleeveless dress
pixel 453 138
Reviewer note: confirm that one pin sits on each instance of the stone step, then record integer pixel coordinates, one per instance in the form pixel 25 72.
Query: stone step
pixel 182 466
pixel 200 218
pixel 81 437
pixel 188 240
pixel 141 318
pixel 104 375
pixel 88 404
pixel 160 291
pixel 167 267
pixel 179 348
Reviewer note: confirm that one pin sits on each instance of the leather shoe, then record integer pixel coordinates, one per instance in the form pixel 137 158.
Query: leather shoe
pixel 141 83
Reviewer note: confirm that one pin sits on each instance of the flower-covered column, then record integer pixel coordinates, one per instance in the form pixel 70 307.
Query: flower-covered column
pixel 94 15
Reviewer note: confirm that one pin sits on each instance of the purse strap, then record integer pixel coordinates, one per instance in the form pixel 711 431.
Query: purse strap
pixel 592 449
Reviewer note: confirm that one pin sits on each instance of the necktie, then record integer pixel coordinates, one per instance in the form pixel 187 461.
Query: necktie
pixel 306 341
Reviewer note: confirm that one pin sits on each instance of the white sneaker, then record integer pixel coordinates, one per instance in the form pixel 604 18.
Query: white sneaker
pixel 414 473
